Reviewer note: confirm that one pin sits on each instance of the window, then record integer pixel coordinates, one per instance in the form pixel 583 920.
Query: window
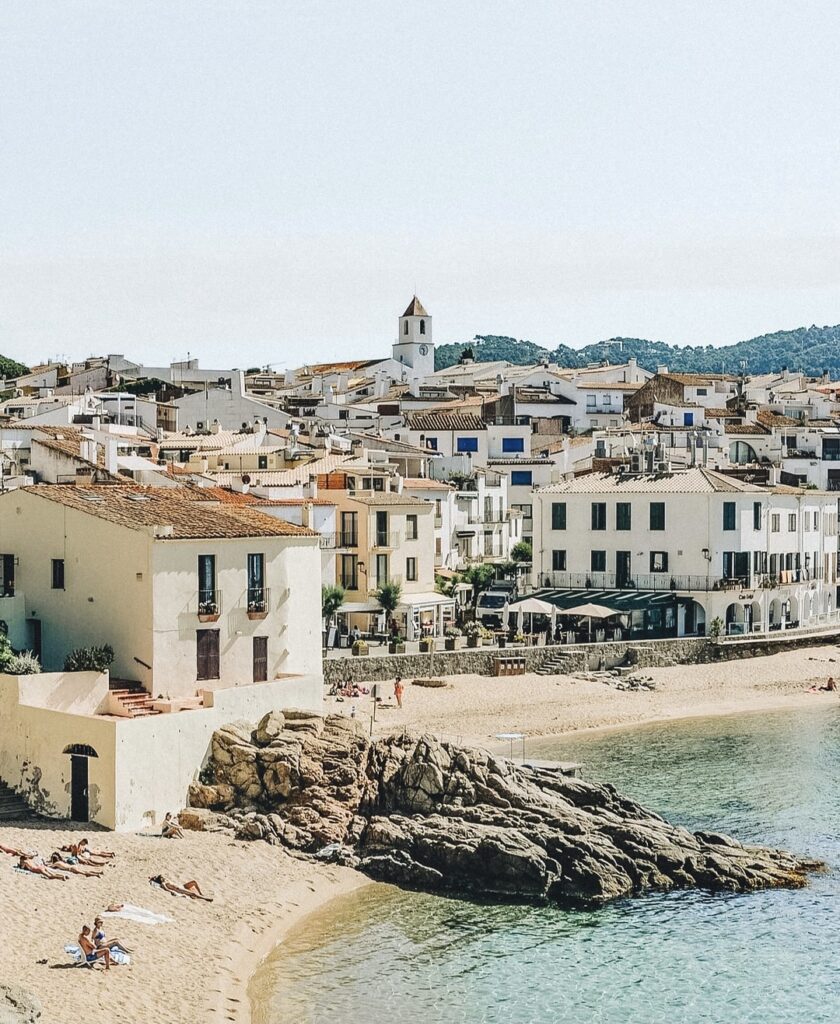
pixel 349 576
pixel 411 527
pixel 7 575
pixel 756 515
pixel 657 515
pixel 467 444
pixel 58 574
pixel 659 561
pixel 422 326
pixel 590 402
pixel 702 392
pixel 382 573
pixel 688 419
pixel 349 536
pixel 262 462
pixel 729 515
pixel 382 529
pixel 513 444
pixel 411 569
pixel 431 442
pixel 521 478
pixel 207 654
pixel 598 561
pixel 260 659
pixel 206 580
pixel 599 515
pixel 558 561
pixel 792 522
pixel 816 520
pixel 622 515
pixel 558 515
pixel 405 327
pixel 256 582
pixel 775 523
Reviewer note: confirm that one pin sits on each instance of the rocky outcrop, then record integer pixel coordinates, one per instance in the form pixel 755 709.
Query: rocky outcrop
pixel 441 818
pixel 17 1006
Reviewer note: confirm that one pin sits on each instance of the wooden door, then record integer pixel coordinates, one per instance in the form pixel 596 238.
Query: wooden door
pixel 260 659
pixel 207 654
pixel 79 810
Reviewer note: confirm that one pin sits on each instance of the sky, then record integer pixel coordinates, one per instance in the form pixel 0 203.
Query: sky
pixel 267 183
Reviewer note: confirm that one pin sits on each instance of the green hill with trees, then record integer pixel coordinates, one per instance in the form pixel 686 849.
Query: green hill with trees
pixel 809 349
pixel 9 368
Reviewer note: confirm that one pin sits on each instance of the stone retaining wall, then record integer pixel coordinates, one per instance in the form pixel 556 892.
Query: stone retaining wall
pixel 575 658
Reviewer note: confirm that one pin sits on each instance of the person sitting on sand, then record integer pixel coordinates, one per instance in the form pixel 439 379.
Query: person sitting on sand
pixel 58 863
pixel 190 889
pixel 98 937
pixel 830 686
pixel 171 829
pixel 27 864
pixel 91 953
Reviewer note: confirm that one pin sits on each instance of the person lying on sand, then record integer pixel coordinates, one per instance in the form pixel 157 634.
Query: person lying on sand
pixel 103 943
pixel 190 889
pixel 58 863
pixel 14 852
pixel 85 855
pixel 27 864
pixel 92 954
pixel 170 828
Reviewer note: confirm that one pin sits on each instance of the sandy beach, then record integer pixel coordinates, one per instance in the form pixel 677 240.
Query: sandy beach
pixel 197 968
pixel 472 709
pixel 194 969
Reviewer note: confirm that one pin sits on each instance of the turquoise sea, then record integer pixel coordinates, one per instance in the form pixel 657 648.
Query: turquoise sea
pixel 381 956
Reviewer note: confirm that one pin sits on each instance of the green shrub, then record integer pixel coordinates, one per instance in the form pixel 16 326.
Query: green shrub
pixel 89 659
pixel 24 664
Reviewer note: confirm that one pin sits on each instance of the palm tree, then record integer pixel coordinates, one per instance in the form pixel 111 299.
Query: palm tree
pixel 332 598
pixel 388 597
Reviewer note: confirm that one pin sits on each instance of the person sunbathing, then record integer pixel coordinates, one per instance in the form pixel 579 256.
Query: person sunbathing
pixel 14 852
pixel 58 863
pixel 27 864
pixel 85 856
pixel 170 828
pixel 91 953
pixel 190 889
pixel 103 943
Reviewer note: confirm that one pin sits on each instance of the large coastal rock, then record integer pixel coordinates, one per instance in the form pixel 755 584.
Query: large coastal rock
pixel 441 818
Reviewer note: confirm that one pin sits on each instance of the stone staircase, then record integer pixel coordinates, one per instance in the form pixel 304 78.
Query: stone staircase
pixel 560 664
pixel 12 806
pixel 136 701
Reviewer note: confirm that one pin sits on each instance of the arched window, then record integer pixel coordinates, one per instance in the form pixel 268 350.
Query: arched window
pixel 80 750
pixel 422 326
pixel 405 327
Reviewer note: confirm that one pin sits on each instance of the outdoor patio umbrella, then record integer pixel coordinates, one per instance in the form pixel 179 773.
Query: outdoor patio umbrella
pixel 591 611
pixel 533 606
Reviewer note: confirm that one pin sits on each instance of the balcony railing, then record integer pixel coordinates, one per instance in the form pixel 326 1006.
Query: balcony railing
pixel 487 517
pixel 209 605
pixel 327 540
pixel 348 539
pixel 385 539
pixel 663 581
pixel 258 599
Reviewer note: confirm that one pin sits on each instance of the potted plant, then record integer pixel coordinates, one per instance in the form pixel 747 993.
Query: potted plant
pixel 208 608
pixel 715 629
pixel 427 644
pixel 501 639
pixel 473 633
pixel 360 648
pixel 396 645
pixel 451 637
pixel 520 638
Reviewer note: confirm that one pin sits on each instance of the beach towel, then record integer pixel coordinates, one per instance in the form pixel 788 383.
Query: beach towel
pixel 75 951
pixel 138 914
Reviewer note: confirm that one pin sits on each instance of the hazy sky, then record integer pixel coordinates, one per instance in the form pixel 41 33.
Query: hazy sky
pixel 268 182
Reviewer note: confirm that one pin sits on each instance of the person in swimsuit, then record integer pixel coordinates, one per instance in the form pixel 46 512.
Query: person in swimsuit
pixel 103 943
pixel 58 863
pixel 84 856
pixel 27 864
pixel 13 852
pixel 91 953
pixel 190 889
pixel 398 691
pixel 171 829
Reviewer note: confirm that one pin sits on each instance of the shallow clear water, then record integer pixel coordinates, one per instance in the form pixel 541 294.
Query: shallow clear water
pixel 381 956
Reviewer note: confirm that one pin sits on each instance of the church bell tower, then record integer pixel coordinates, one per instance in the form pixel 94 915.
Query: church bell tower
pixel 413 347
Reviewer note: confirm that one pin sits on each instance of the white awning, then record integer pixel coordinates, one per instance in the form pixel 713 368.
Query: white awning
pixel 359 606
pixel 424 600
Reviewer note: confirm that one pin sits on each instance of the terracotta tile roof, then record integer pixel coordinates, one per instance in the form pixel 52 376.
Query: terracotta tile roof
pixel 388 498
pixel 190 518
pixel 746 428
pixel 695 379
pixel 287 477
pixel 423 483
pixel 347 365
pixel 431 419
pixel 772 419
pixel 690 481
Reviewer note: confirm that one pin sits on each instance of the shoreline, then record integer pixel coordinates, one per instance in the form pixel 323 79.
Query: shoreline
pixel 201 966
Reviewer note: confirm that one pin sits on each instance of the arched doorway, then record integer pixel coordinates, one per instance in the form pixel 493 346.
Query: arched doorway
pixel 755 617
pixel 79 800
pixel 695 619
pixel 775 613
pixel 734 619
